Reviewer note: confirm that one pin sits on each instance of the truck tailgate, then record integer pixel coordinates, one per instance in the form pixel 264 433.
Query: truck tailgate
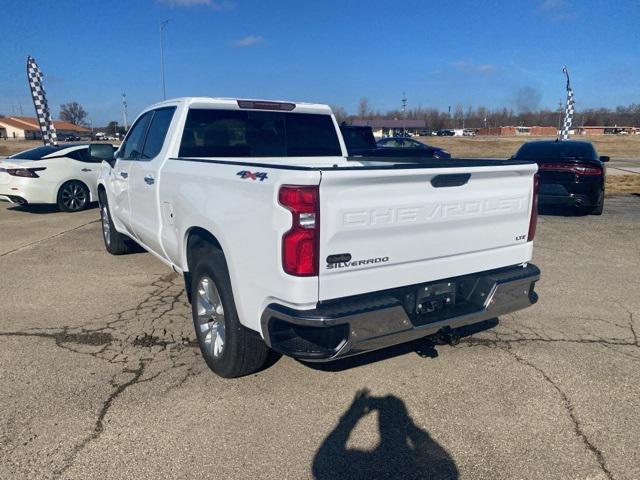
pixel 383 228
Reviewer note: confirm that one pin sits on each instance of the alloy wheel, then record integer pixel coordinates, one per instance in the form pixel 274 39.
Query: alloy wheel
pixel 74 196
pixel 211 321
pixel 106 226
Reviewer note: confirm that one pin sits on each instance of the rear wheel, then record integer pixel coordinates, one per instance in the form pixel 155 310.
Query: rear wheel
pixel 73 196
pixel 598 209
pixel 228 348
pixel 115 242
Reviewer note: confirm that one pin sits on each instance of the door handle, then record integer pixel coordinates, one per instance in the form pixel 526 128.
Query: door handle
pixel 124 174
pixel 85 170
pixel 149 180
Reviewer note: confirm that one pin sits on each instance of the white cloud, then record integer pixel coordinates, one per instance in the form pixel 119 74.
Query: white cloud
pixel 553 4
pixel 469 66
pixel 460 63
pixel 557 10
pixel 485 68
pixel 213 4
pixel 248 41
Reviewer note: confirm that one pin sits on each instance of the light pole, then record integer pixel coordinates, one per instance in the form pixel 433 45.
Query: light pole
pixel 124 111
pixel 162 27
pixel 404 114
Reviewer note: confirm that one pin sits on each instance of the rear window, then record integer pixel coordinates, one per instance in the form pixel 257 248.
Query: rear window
pixel 246 133
pixel 35 153
pixel 556 150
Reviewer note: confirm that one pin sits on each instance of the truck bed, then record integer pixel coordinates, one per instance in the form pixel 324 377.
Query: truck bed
pixel 417 162
pixel 373 163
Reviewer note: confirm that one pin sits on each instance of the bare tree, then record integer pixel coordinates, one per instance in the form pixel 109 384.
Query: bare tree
pixel 73 112
pixel 624 115
pixel 363 107
pixel 340 113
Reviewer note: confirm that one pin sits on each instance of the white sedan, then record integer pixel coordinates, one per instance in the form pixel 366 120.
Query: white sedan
pixel 65 175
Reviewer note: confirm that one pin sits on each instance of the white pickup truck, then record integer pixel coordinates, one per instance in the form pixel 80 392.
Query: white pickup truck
pixel 286 243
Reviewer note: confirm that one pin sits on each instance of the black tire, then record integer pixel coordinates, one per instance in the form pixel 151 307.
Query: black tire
pixel 115 242
pixel 242 352
pixel 598 209
pixel 73 196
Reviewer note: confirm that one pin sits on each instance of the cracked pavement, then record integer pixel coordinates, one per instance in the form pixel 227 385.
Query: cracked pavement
pixel 101 377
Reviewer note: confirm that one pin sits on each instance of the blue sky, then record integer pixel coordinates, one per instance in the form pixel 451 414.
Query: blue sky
pixel 331 51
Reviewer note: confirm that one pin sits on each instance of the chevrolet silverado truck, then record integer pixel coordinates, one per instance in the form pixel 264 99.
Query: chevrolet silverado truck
pixel 287 243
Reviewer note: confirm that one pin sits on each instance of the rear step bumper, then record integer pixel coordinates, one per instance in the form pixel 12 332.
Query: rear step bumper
pixel 363 323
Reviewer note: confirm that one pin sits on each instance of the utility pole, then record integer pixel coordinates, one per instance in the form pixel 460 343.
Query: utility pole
pixel 560 115
pixel 404 114
pixel 163 25
pixel 124 111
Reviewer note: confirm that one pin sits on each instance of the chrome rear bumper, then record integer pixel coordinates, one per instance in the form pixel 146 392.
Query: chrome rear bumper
pixel 355 325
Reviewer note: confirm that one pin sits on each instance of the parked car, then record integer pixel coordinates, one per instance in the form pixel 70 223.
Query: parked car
pixel 71 138
pixel 446 133
pixel 400 144
pixel 361 142
pixel 64 175
pixel 287 243
pixel 570 172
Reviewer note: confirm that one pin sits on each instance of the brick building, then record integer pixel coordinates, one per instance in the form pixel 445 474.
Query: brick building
pixel 26 128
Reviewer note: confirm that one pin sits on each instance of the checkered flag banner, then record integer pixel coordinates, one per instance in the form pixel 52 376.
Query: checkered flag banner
pixel 569 109
pixel 34 75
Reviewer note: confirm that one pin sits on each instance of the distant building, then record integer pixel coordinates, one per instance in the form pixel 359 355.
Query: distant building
pixel 597 130
pixel 385 127
pixel 518 131
pixel 26 128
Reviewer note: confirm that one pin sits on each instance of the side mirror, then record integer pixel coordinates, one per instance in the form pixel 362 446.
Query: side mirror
pixel 604 158
pixel 103 151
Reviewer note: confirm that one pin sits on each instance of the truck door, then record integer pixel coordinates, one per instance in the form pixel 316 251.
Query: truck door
pixel 129 152
pixel 145 203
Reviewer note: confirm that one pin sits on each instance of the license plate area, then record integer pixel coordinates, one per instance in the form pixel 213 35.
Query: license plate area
pixel 435 297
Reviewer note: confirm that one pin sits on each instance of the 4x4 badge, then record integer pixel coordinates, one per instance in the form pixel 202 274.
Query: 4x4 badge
pixel 246 174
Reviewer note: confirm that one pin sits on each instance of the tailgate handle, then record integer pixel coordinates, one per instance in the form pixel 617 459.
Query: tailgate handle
pixel 450 180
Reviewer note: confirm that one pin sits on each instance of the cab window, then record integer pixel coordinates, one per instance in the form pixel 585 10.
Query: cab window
pixel 157 132
pixel 134 143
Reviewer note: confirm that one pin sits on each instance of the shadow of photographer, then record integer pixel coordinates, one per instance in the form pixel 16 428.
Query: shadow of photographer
pixel 405 450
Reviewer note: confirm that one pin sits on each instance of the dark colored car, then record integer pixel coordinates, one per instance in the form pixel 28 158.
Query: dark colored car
pixel 361 142
pixel 570 173
pixel 71 138
pixel 445 133
pixel 410 144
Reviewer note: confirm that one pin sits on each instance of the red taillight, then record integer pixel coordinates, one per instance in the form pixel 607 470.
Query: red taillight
pixel 300 252
pixel 533 221
pixel 25 172
pixel 575 168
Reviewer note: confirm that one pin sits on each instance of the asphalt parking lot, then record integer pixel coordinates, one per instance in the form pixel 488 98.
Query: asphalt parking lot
pixel 101 378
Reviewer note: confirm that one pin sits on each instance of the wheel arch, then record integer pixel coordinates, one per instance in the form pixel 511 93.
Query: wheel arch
pixel 101 191
pixel 196 238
